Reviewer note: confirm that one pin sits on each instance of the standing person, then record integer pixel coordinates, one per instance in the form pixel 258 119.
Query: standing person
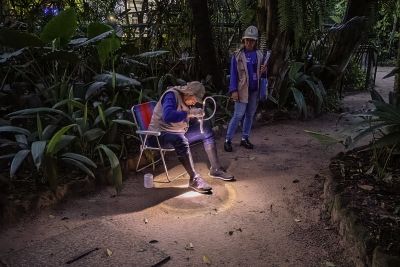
pixel 246 70
pixel 176 118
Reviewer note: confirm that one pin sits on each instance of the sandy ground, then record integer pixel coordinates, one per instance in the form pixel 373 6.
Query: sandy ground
pixel 271 216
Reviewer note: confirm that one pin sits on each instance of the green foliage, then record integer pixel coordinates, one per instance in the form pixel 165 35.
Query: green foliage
pixel 17 39
pixel 304 87
pixel 355 78
pixel 303 18
pixel 61 27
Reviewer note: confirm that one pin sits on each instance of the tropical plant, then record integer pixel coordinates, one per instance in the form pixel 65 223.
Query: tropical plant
pixel 303 87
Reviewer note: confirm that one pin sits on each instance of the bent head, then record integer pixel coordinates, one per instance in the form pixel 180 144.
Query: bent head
pixel 192 92
pixel 189 100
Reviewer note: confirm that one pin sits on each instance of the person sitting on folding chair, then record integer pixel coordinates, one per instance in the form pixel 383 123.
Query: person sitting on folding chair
pixel 175 117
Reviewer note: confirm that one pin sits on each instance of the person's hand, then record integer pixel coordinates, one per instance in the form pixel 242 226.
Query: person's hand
pixel 263 68
pixel 195 113
pixel 235 96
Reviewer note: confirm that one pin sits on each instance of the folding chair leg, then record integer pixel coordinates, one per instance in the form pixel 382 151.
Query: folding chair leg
pixel 138 162
pixel 165 165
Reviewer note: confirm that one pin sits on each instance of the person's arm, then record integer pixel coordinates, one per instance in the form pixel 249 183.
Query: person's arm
pixel 233 83
pixel 170 112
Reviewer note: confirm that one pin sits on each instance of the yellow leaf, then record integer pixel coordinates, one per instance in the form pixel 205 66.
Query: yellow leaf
pixel 366 187
pixel 206 260
pixel 109 253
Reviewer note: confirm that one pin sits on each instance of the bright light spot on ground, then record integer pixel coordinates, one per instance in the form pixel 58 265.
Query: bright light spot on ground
pixel 190 194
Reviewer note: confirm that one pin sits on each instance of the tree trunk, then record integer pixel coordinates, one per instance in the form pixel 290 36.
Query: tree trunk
pixel 205 45
pixel 357 8
pixel 272 28
pixel 347 37
pixel 394 97
pixel 280 43
pixel 278 65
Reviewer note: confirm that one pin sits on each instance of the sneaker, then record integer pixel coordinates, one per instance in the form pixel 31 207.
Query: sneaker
pixel 246 143
pixel 199 185
pixel 228 146
pixel 221 174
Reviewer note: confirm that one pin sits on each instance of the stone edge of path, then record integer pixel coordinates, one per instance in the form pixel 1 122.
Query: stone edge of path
pixel 14 210
pixel 354 234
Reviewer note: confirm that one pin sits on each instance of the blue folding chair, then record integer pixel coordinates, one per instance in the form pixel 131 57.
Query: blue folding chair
pixel 142 115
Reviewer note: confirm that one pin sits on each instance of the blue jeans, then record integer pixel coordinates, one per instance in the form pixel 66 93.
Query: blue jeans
pixel 181 141
pixel 243 109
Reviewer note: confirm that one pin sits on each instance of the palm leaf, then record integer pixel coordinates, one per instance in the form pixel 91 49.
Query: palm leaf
pixel 17 161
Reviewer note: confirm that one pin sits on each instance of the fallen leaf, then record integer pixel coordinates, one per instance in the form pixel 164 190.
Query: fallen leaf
pixel 329 264
pixel 141 250
pixel 206 260
pixel 370 170
pixel 145 220
pixel 109 252
pixel 366 187
pixel 51 216
pixel 252 158
pixel 189 246
pixel 297 220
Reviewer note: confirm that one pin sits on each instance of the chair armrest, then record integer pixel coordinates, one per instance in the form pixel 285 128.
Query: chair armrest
pixel 155 133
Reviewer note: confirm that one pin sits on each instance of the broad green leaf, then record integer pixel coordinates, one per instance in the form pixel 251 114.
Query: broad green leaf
pixel 71 102
pixel 124 122
pixel 152 54
pixel 117 178
pixel 39 110
pixel 85 116
pixel 48 131
pixel 8 156
pixel 7 56
pixel 93 134
pixel 95 88
pixel 50 171
pixel 37 151
pixel 17 161
pixel 65 141
pixel 56 139
pixel 61 56
pixel 317 92
pixel 323 138
pixel 79 165
pixel 13 129
pixel 301 103
pixel 294 69
pixel 112 158
pixel 39 126
pixel 17 39
pixel 80 158
pixel 388 140
pixel 121 80
pixel 96 28
pixel 102 115
pixel 62 26
pixel 111 110
pixel 107 48
pixel 97 38
pixel 21 138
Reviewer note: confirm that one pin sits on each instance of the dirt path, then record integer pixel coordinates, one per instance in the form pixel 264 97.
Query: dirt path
pixel 271 216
